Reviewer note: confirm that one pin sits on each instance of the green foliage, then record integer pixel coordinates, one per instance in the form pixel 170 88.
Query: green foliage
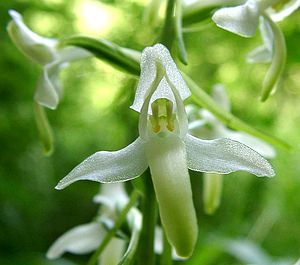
pixel 94 115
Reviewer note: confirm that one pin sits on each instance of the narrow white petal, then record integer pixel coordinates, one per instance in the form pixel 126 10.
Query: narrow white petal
pixel 36 47
pixel 224 156
pixel 266 33
pixel 288 8
pixel 264 53
pixel 49 89
pixel 149 59
pixel 242 20
pixel 168 166
pixel 81 239
pixel 256 144
pixel 105 167
pixel 260 55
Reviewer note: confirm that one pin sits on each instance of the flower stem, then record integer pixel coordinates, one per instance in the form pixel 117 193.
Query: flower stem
pixel 166 257
pixel 44 128
pixel 168 32
pixel 146 246
pixel 133 199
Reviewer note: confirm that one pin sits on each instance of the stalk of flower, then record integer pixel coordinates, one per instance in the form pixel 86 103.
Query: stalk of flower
pixel 86 238
pixel 244 20
pixel 166 147
pixel 205 125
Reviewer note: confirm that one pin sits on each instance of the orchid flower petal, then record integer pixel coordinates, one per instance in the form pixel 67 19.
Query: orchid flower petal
pixel 134 219
pixel 168 166
pixel 112 195
pixel 242 20
pixel 260 55
pixel 224 156
pixel 288 8
pixel 81 239
pixel 264 53
pixel 256 144
pixel 113 252
pixel 220 96
pixel 107 167
pixel 49 88
pixel 34 46
pixel 149 59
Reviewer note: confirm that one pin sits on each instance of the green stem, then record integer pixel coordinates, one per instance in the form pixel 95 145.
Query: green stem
pixel 166 257
pixel 122 58
pixel 149 209
pixel 133 199
pixel 179 34
pixel 200 97
pixel 167 35
pixel 44 128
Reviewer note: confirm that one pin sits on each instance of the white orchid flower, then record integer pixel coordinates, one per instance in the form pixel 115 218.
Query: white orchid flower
pixel 205 125
pixel 47 54
pixel 209 127
pixel 86 238
pixel 166 147
pixel 263 53
pixel 244 19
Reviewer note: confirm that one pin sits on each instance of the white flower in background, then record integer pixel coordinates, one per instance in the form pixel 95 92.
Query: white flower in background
pixel 205 125
pixel 166 147
pixel 244 19
pixel 263 53
pixel 86 238
pixel 45 52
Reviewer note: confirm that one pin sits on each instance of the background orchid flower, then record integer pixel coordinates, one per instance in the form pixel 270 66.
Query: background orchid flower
pixel 244 19
pixel 166 147
pixel 205 125
pixel 45 52
pixel 263 53
pixel 209 127
pixel 86 238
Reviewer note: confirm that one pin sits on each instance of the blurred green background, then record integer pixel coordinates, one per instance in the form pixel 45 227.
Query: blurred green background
pixel 94 115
